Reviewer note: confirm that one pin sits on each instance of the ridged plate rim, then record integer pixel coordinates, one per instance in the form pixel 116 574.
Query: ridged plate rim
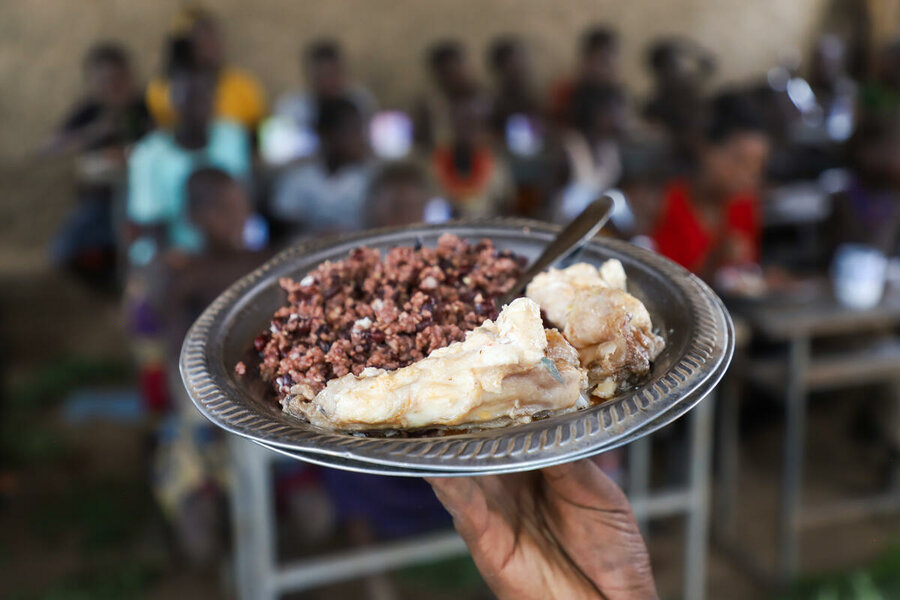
pixel 209 381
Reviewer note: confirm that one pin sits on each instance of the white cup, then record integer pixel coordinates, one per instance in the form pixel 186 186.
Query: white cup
pixel 858 274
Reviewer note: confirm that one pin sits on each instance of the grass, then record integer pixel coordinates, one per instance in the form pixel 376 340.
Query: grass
pixel 47 384
pixel 126 581
pixel 101 516
pixel 25 437
pixel 455 575
pixel 880 580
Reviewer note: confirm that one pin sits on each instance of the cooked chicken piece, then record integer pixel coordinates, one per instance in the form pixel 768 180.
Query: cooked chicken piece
pixel 508 368
pixel 555 290
pixel 610 328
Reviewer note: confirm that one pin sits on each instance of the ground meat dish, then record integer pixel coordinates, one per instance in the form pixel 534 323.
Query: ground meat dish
pixel 369 311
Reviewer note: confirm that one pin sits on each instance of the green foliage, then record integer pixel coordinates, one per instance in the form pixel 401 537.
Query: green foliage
pixel 46 385
pixel 128 581
pixel 451 575
pixel 878 581
pixel 25 438
pixel 100 515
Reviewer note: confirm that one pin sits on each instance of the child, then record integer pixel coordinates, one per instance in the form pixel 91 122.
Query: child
pixel 514 91
pixel 326 75
pixel 218 207
pixel 190 465
pixel 867 214
pixel 520 127
pixel 451 79
pixel 466 170
pixel 238 95
pixel 161 163
pixel 401 195
pixel 327 194
pixel 99 130
pixel 591 147
pixel 680 70
pixel 112 115
pixel 868 211
pixel 598 64
pixel 711 218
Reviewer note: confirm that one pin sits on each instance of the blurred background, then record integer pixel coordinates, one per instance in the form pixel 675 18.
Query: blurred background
pixel 151 153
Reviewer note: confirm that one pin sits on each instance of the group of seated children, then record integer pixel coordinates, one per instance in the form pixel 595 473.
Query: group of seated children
pixel 208 192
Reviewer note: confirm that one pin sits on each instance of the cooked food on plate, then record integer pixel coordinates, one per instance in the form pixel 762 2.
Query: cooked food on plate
pixel 610 328
pixel 506 369
pixel 368 311
pixel 413 339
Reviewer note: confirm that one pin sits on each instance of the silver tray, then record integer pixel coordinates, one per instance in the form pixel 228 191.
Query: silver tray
pixel 697 329
pixel 349 464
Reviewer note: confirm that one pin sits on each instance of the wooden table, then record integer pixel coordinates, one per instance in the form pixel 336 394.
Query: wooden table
pixel 797 324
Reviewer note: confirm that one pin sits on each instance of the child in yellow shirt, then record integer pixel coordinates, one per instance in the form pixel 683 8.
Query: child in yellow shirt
pixel 238 97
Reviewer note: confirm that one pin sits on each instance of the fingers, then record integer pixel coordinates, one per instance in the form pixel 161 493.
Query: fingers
pixel 464 500
pixel 584 483
pixel 471 502
pixel 593 520
pixel 454 492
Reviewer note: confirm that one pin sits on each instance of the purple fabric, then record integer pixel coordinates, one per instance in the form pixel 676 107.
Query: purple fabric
pixel 393 506
pixel 144 319
pixel 871 209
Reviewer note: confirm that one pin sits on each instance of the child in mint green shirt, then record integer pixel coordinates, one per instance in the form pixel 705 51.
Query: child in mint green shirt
pixel 162 162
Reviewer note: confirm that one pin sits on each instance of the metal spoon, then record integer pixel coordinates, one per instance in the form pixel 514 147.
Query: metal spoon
pixel 576 234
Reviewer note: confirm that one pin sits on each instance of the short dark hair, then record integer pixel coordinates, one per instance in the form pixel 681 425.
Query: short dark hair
pixel 189 17
pixel 323 50
pixel 203 187
pixel 501 50
pixel 180 55
pixel 333 112
pixel 731 113
pixel 600 37
pixel 661 52
pixel 589 99
pixel 442 53
pixel 107 53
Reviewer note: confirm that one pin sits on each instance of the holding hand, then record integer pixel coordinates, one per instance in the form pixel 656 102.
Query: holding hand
pixel 563 532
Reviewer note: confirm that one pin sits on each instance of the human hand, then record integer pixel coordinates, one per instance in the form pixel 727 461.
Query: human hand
pixel 563 532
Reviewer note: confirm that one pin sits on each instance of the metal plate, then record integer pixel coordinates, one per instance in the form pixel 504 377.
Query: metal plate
pixel 357 466
pixel 697 329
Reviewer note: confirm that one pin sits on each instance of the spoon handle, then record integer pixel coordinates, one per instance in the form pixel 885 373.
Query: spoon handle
pixel 576 234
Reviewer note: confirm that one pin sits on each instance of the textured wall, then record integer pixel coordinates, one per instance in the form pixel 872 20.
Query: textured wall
pixel 41 43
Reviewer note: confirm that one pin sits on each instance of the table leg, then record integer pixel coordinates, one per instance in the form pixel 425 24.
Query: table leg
pixel 697 538
pixel 639 475
pixel 792 475
pixel 891 427
pixel 728 457
pixel 252 509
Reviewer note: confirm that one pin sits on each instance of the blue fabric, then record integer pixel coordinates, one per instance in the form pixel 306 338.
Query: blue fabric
pixel 159 169
pixel 118 405
pixel 88 227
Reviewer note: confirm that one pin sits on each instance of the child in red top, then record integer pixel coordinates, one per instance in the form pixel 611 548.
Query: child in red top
pixel 598 65
pixel 711 219
pixel 466 170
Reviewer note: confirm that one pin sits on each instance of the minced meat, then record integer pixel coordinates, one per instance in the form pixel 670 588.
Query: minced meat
pixel 365 311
